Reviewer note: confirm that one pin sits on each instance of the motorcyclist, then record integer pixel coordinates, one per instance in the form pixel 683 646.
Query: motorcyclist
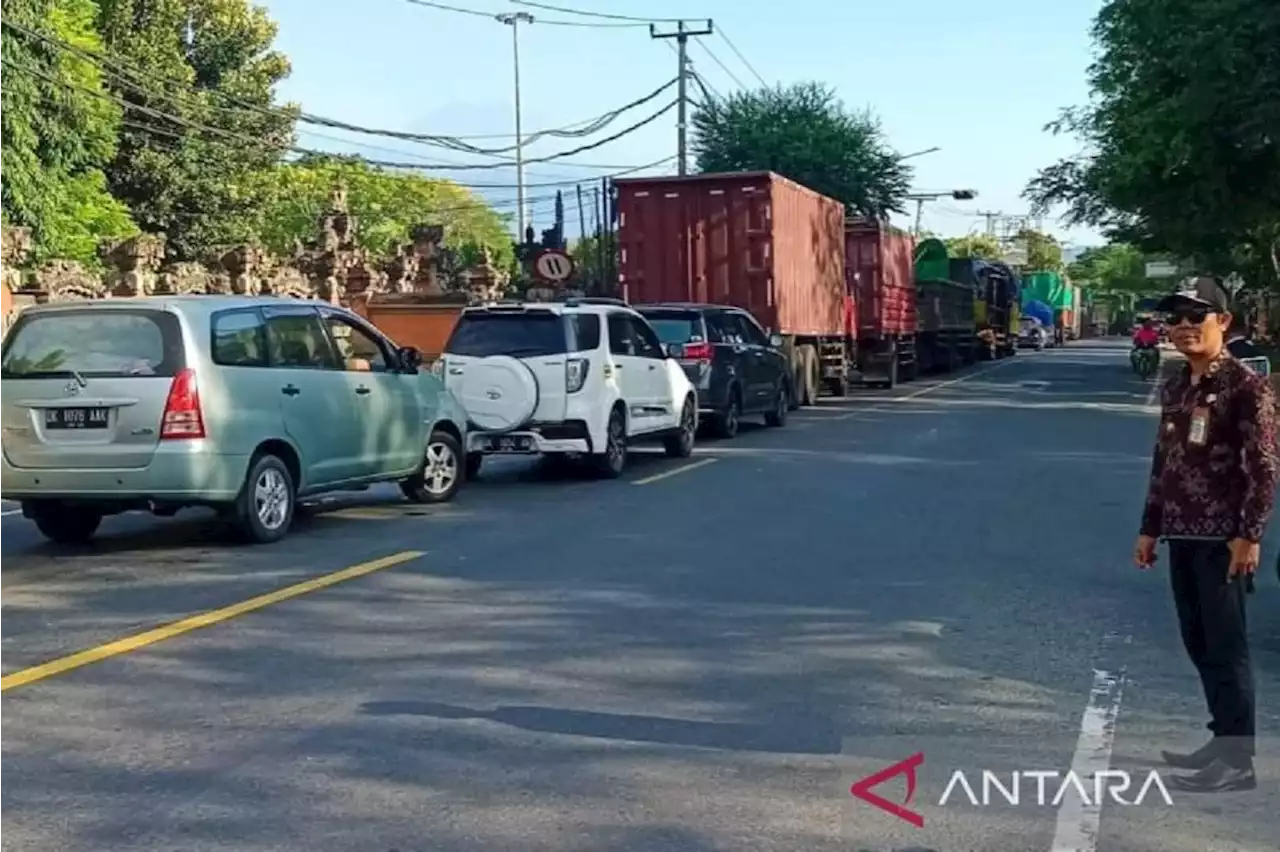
pixel 1147 336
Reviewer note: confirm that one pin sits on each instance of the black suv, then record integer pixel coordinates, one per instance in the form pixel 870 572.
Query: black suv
pixel 735 367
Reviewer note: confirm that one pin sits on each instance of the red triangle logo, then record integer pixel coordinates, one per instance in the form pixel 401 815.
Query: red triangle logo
pixel 862 789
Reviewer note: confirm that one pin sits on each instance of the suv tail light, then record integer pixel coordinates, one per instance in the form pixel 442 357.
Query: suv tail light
pixel 698 351
pixel 575 374
pixel 182 416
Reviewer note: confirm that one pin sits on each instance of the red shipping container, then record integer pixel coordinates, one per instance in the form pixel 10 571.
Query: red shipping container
pixel 880 263
pixel 755 240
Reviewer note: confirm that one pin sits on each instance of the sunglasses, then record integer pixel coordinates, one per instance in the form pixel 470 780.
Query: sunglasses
pixel 1195 315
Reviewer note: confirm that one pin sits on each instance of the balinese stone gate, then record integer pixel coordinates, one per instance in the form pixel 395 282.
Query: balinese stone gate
pixel 332 267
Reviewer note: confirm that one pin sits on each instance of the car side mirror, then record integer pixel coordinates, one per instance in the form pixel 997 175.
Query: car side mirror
pixel 775 340
pixel 674 350
pixel 410 358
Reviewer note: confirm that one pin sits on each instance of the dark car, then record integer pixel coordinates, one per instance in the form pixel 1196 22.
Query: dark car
pixel 734 365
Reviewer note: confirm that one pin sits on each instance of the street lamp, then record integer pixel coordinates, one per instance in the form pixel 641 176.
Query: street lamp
pixel 921 197
pixel 514 19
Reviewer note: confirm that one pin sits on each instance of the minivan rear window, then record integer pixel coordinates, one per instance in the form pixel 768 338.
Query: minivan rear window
pixel 107 343
pixel 676 326
pixel 481 334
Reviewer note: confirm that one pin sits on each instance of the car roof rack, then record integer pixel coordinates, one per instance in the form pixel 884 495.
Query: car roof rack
pixel 574 301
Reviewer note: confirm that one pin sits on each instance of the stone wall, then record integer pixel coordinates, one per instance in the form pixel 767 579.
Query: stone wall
pixel 332 267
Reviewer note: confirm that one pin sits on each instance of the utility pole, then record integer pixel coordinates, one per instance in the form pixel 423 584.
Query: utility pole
pixel 991 216
pixel 681 35
pixel 513 20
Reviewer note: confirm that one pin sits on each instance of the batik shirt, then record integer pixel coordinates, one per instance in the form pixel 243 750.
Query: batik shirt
pixel 1213 474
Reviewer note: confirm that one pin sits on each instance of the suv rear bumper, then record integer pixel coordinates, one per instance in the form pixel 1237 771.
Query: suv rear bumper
pixel 571 436
pixel 171 477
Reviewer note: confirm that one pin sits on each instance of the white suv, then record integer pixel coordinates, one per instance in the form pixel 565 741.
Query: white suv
pixel 584 376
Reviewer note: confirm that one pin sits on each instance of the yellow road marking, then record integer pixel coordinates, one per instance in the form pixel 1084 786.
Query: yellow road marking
pixel 195 622
pixel 674 471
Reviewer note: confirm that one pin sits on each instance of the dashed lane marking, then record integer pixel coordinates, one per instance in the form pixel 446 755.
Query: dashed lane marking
pixel 1078 821
pixel 666 474
pixel 195 622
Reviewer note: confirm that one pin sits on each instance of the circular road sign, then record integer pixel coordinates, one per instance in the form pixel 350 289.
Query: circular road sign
pixel 553 265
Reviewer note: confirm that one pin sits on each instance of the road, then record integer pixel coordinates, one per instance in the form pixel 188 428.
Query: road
pixel 701 660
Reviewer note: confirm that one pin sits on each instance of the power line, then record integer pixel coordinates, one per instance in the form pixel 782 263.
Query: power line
pixel 738 53
pixel 296 149
pixel 121 72
pixel 588 14
pixel 552 23
pixel 717 61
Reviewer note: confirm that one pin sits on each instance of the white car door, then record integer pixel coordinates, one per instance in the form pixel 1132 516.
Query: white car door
pixel 631 372
pixel 659 409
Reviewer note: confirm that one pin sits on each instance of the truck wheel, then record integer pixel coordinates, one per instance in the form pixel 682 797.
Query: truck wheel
pixel 809 375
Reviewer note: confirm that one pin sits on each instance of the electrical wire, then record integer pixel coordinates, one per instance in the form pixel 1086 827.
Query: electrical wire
pixel 272 144
pixel 587 14
pixel 553 23
pixel 121 72
pixel 717 61
pixel 738 53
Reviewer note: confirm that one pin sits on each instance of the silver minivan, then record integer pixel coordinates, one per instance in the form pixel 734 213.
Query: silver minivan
pixel 237 403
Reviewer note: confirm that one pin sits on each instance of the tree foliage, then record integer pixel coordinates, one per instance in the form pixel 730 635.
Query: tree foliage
pixel 1183 132
pixel 58 131
pixel 805 133
pixel 387 205
pixel 979 246
pixel 209 67
pixel 1044 252
pixel 1114 268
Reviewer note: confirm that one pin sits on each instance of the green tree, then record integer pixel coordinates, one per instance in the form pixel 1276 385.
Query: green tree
pixel 805 133
pixel 980 246
pixel 1183 133
pixel 594 268
pixel 58 131
pixel 199 75
pixel 386 204
pixel 1044 253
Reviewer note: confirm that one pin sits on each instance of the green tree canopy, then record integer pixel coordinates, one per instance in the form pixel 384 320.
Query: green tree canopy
pixel 293 197
pixel 1044 252
pixel 980 246
pixel 58 130
pixel 1183 132
pixel 199 75
pixel 805 133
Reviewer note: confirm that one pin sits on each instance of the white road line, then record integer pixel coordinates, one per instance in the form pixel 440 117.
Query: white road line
pixel 1078 822
pixel 957 380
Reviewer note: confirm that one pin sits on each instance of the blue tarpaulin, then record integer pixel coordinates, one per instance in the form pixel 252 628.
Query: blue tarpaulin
pixel 1039 310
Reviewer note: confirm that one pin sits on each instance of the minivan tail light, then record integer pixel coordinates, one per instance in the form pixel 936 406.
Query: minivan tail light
pixel 182 415
pixel 438 368
pixel 575 374
pixel 698 350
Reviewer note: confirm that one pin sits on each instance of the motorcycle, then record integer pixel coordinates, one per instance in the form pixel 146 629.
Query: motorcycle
pixel 1145 361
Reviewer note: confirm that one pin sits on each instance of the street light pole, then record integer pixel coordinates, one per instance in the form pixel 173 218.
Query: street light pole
pixel 921 197
pixel 514 19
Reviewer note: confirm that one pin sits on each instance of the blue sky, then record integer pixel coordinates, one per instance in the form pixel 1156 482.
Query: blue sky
pixel 979 79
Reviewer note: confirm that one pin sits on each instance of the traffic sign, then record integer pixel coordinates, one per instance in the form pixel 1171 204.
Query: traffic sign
pixel 553 266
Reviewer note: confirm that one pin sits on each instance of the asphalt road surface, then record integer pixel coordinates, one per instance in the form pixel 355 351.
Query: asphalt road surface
pixel 706 655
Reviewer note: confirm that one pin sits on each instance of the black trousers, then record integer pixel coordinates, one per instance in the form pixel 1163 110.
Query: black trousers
pixel 1211 613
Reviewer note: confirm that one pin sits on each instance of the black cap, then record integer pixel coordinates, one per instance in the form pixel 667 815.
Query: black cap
pixel 1205 291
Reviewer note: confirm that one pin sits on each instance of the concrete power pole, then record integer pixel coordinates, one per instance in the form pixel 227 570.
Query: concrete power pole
pixel 991 216
pixel 681 35
pixel 513 20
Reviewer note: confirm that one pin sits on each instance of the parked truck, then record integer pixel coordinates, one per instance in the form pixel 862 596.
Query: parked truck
pixel 996 304
pixel 880 275
pixel 755 240
pixel 947 334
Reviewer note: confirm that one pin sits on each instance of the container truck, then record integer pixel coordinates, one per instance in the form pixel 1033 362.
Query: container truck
pixel 996 304
pixel 754 240
pixel 880 273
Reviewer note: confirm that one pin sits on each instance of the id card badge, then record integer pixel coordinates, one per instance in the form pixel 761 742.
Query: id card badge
pixel 1199 431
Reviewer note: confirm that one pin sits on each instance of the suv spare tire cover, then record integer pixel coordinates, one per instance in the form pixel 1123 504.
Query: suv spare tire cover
pixel 499 393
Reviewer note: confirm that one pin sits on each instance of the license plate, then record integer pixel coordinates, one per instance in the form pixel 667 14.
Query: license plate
pixel 512 444
pixel 75 418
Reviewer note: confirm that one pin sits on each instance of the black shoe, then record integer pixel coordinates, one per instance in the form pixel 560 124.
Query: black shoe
pixel 1217 777
pixel 1198 759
